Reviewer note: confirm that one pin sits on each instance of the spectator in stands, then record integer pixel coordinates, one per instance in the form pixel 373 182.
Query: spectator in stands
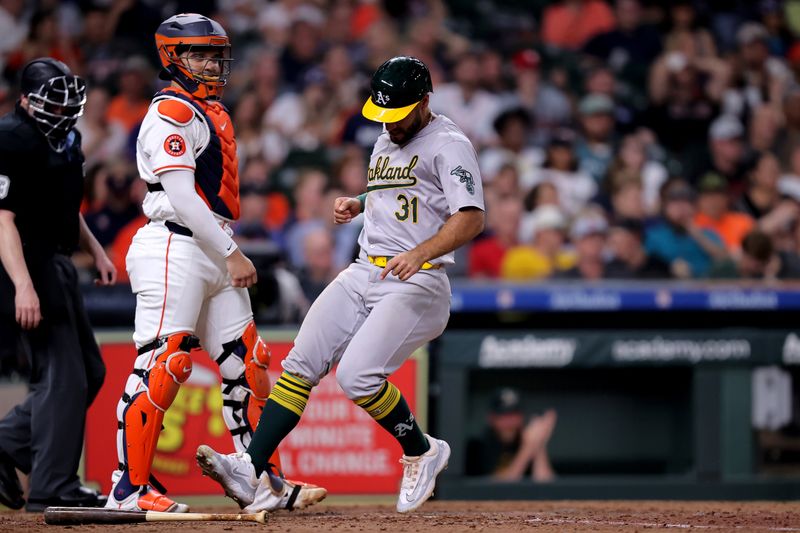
pixel 569 24
pixel 630 48
pixel 303 48
pixel 629 257
pixel 13 27
pixel 128 108
pixel 319 269
pixel 512 127
pixel 759 78
pixel 714 213
pixel 728 153
pixel 632 162
pixel 350 173
pixel 626 196
pixel 544 193
pixel 465 103
pixel 493 72
pixel 119 208
pixel 45 39
pixel 775 214
pixel 505 183
pixel 101 141
pixel 575 187
pixel 763 200
pixel 509 449
pixel 600 79
pixel 253 211
pixel 486 254
pixel 685 90
pixel 309 212
pixel 683 20
pixel 688 249
pixel 789 182
pixel 764 128
pixel 588 235
pixel 780 37
pixel 247 116
pixel 760 260
pixel 541 250
pixel 595 148
pixel 548 104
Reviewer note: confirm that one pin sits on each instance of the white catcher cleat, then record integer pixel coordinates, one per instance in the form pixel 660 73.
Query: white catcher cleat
pixel 419 475
pixel 237 475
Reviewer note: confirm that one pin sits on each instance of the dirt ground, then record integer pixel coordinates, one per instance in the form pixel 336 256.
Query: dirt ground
pixel 505 516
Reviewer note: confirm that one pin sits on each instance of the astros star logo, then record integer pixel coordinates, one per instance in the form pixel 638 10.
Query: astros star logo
pixel 175 145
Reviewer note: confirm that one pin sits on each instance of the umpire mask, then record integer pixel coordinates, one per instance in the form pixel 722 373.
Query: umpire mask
pixel 56 98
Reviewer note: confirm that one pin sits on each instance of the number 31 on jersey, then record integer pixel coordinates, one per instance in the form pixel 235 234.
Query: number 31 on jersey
pixel 409 207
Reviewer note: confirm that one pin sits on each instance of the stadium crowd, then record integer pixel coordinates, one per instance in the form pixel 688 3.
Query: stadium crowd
pixel 633 139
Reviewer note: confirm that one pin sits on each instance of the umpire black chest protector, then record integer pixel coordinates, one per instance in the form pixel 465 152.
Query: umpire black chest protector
pixel 44 189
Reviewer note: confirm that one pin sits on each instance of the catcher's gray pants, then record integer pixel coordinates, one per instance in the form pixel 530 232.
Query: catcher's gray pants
pixel 369 326
pixel 43 435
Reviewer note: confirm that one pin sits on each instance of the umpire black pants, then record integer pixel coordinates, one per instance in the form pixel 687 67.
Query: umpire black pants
pixel 43 435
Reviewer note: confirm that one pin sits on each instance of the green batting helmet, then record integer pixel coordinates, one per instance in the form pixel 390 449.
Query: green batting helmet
pixel 396 88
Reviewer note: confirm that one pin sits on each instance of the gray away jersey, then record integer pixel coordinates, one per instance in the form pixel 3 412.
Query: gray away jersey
pixel 414 189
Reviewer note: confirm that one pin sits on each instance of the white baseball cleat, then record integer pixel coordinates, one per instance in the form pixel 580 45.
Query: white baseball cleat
pixel 234 471
pixel 276 493
pixel 419 475
pixel 237 475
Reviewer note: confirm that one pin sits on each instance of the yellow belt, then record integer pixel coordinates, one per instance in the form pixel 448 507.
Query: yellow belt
pixel 381 260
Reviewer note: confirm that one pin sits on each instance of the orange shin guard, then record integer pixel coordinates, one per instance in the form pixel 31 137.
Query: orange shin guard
pixel 145 411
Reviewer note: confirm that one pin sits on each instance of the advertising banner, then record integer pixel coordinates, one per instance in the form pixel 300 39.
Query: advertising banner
pixel 336 445
pixel 619 348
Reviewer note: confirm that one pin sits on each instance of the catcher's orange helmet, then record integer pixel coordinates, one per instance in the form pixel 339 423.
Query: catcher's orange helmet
pixel 193 32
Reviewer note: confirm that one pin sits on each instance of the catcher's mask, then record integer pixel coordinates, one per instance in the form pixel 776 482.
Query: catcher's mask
pixel 56 98
pixel 195 34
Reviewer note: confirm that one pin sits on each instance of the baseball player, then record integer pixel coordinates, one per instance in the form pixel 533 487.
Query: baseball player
pixel 425 200
pixel 188 275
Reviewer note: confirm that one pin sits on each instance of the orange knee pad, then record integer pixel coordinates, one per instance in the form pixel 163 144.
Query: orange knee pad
pixel 145 411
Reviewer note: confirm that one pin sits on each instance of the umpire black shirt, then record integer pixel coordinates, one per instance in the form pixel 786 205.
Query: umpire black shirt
pixel 43 188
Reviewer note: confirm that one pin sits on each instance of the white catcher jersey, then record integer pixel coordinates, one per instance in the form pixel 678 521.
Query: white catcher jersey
pixel 166 144
pixel 415 188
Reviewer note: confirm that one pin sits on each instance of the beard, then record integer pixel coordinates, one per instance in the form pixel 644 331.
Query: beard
pixel 402 136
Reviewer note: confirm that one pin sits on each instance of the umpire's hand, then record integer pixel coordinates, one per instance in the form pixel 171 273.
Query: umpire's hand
pixel 26 302
pixel 345 209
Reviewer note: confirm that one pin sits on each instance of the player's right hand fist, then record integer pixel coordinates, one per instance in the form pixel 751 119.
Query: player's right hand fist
pixel 241 269
pixel 26 303
pixel 345 209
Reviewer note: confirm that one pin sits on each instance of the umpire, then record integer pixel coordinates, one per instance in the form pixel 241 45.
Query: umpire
pixel 41 310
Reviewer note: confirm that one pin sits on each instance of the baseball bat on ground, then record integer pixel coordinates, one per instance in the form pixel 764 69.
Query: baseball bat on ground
pixel 63 516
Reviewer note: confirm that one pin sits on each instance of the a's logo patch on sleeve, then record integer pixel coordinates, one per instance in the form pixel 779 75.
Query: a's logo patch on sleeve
pixel 175 145
pixel 465 177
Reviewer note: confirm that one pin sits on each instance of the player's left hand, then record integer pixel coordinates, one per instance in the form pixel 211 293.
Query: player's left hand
pixel 403 265
pixel 106 269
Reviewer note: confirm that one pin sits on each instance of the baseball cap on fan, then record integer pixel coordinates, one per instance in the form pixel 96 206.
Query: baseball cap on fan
pixel 396 88
pixel 505 400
